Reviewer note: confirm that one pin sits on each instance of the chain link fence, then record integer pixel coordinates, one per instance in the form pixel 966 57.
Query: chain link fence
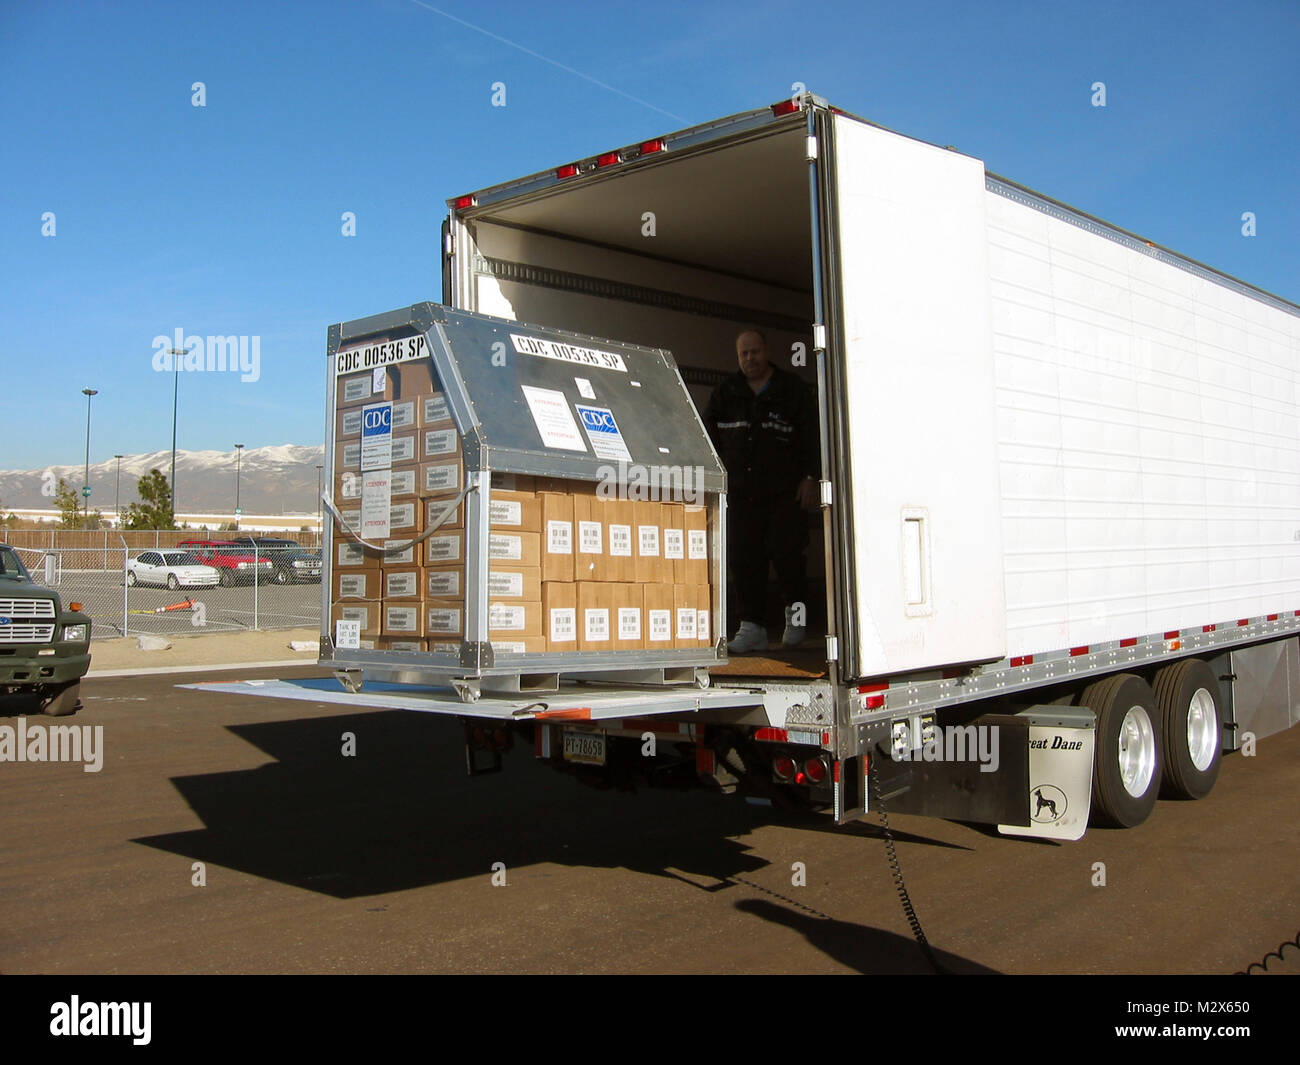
pixel 179 590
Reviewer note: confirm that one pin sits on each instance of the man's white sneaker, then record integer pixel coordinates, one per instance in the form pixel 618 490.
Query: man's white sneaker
pixel 749 638
pixel 794 634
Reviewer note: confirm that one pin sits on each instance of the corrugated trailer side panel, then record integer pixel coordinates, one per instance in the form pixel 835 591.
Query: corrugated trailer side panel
pixel 1148 420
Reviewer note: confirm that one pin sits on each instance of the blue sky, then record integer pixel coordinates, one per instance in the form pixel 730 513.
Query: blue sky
pixel 225 219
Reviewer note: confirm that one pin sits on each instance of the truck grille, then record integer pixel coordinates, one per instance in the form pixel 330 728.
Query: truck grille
pixel 27 608
pixel 26 632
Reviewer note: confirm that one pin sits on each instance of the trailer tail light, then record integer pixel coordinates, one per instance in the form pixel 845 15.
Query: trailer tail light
pixel 772 735
pixel 816 769
pixel 875 695
pixel 608 159
pixel 567 171
pixel 786 107
pixel 650 147
pixel 783 766
pixel 462 203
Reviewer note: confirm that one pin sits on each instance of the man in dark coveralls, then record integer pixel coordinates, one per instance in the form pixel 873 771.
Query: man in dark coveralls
pixel 763 422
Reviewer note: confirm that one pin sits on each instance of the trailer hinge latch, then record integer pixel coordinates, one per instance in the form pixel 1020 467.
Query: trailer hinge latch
pixel 832 649
pixel 826 492
pixel 819 337
pixel 448 245
pixel 811 149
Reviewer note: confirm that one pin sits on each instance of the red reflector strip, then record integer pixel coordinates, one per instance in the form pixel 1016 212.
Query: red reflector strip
pixel 772 735
pixel 1130 642
pixel 461 202
pixel 835 771
pixel 1243 621
pixel 1207 628
pixel 1075 652
pixel 656 145
pixel 785 107
pixel 864 688
pixel 608 159
pixel 571 170
pixel 1023 660
pixel 577 713
pixel 1272 617
pixel 875 702
pixel 826 738
pixel 1171 635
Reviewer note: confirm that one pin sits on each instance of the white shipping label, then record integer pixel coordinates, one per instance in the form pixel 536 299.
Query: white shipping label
pixel 445 648
pixel 441 478
pixel 347 635
pixel 439 442
pixel 355 388
pixel 629 623
pixel 376 506
pixel 584 388
pixel 404 645
pixel 620 541
pixel 403 585
pixel 352 585
pixel 649 541
pixel 698 544
pixel 661 625
pixel 351 519
pixel 351 555
pixel 444 583
pixel 376 436
pixel 443 548
pixel 563 624
pixel 359 614
pixel 352 456
pixel 674 543
pixel 506 512
pixel 403 515
pixel 596 624
pixel 506 618
pixel 399 556
pixel 686 623
pixel 554 349
pixel 403 482
pixel 404 414
pixel 701 624
pixel 589 538
pixel 505 547
pixel 441 511
pixel 403 448
pixel 505 584
pixel 444 620
pixel 553 418
pixel 559 537
pixel 401 619
pixel 350 422
pixel 436 410
pixel 509 647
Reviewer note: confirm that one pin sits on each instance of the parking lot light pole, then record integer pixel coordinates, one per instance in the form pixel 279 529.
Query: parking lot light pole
pixel 239 453
pixel 320 514
pixel 176 354
pixel 117 492
pixel 85 484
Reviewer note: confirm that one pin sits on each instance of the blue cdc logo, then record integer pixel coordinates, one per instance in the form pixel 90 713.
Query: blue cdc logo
pixel 377 420
pixel 598 420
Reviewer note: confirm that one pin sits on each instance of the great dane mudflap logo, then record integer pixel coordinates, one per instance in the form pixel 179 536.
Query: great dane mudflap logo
pixel 1049 803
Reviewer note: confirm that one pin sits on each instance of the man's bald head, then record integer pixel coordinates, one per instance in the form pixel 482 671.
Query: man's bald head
pixel 751 354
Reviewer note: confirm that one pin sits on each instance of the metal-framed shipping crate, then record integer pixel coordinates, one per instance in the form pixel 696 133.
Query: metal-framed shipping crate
pixel 526 401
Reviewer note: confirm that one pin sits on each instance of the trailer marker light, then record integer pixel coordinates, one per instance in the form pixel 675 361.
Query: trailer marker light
pixel 608 159
pixel 783 766
pixel 566 171
pixel 874 702
pixel 864 688
pixel 1272 617
pixel 1075 652
pixel 1130 641
pixel 815 769
pixel 799 778
pixel 786 107
pixel 773 735
pixel 462 202
pixel 650 147
pixel 1175 645
pixel 1023 660
pixel 1243 621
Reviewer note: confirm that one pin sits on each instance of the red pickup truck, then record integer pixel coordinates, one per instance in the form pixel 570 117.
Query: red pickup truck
pixel 234 562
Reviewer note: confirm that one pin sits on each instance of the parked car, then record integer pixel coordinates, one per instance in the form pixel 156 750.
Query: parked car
pixel 234 562
pixel 176 569
pixel 44 649
pixel 293 563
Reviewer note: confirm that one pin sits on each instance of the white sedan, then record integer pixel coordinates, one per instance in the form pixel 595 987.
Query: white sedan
pixel 175 569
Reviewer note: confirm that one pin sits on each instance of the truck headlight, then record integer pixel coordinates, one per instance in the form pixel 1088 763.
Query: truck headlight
pixel 76 633
pixel 242 565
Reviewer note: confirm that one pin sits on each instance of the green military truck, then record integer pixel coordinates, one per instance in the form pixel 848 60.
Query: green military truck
pixel 44 649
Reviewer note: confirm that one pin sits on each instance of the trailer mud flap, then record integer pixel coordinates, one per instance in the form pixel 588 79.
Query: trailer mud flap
pixel 1060 772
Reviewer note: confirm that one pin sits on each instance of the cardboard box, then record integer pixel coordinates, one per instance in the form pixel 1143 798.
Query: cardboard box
pixel 445 582
pixel 685 607
pixel 441 477
pixel 514 482
pixel 347 456
pixel 523 548
pixel 660 619
pixel 510 620
pixel 595 616
pixel 442 548
pixel 366 613
pixel 521 645
pixel 559 615
pixel 591 562
pixel 404 482
pixel 416 378
pixel 362 584
pixel 404 582
pixel 704 634
pixel 444 618
pixel 436 443
pixel 404 619
pixel 433 509
pixel 444 647
pixel 697 545
pixel 347 423
pixel 514 583
pixel 398 643
pixel 433 412
pixel 673 517
pixel 514 511
pixel 351 556
pixel 406 519
pixel 358 389
pixel 620 539
pixel 405 414
pixel 402 552
pixel 405 448
pixel 556 525
pixel 648 543
pixel 628 617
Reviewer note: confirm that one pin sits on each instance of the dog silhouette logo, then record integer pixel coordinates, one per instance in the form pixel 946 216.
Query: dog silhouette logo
pixel 1049 804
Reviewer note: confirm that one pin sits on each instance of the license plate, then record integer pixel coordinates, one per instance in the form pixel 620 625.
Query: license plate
pixel 585 747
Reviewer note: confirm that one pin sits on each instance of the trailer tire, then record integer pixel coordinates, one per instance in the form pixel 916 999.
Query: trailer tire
pixel 1191 728
pixel 1126 766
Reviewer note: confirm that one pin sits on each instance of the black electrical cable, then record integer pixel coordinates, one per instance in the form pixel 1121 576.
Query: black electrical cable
pixel 1263 963
pixel 908 909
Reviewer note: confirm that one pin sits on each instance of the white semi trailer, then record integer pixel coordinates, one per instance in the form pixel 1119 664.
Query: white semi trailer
pixel 1060 494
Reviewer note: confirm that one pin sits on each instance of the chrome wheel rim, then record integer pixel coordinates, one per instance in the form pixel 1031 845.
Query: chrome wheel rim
pixel 1137 751
pixel 1202 735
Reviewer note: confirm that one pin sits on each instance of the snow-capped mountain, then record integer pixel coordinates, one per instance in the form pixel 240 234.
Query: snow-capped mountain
pixel 278 479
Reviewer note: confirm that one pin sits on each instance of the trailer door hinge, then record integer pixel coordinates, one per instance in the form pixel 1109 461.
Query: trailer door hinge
pixel 819 337
pixel 832 649
pixel 811 151
pixel 448 245
pixel 827 493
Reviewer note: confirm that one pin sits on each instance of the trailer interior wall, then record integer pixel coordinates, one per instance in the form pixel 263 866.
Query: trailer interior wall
pixel 1148 435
